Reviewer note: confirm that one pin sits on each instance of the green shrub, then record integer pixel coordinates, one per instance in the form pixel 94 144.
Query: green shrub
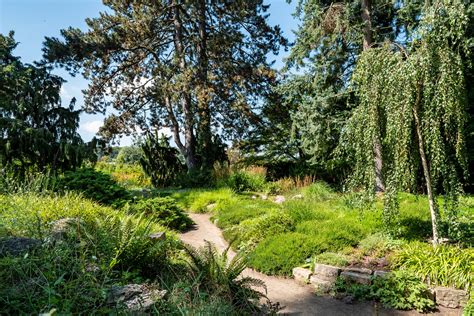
pixel 164 211
pixel 281 253
pixel 379 245
pixel 402 290
pixel 332 258
pixel 301 210
pixel 442 265
pixel 251 231
pixel 94 185
pixel 334 234
pixel 243 181
pixel 399 290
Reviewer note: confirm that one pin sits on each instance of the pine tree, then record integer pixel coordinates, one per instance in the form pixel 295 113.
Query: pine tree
pixel 195 67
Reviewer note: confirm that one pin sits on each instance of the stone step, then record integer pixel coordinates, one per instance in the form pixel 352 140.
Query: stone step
pixel 302 275
pixel 321 285
pixel 326 272
pixel 361 278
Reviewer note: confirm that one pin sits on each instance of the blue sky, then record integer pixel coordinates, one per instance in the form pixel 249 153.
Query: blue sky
pixel 32 20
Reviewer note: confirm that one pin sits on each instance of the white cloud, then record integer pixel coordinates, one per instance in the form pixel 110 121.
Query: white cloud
pixel 91 127
pixel 65 95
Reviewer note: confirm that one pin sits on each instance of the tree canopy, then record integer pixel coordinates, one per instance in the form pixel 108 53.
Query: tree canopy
pixel 196 67
pixel 36 131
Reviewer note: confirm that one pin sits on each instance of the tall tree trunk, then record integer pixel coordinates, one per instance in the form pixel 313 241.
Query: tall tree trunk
pixel 190 142
pixel 426 170
pixel 377 146
pixel 204 127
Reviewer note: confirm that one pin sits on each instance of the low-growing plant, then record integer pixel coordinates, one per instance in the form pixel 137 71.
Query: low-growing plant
pixel 231 213
pixel 332 258
pixel 334 234
pixel 251 231
pixel 399 290
pixel 402 290
pixel 443 265
pixel 74 267
pixel 217 272
pixel 164 211
pixel 379 244
pixel 94 185
pixel 127 175
pixel 218 197
pixel 281 253
pixel 469 308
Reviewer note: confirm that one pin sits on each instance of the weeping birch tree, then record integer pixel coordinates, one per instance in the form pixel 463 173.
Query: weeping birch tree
pixel 417 97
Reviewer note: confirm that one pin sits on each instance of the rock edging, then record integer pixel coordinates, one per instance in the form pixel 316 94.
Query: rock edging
pixel 323 279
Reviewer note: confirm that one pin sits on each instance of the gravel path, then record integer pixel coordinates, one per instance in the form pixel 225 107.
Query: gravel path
pixel 297 299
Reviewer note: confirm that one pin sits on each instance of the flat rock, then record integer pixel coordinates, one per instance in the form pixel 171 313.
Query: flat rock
pixel 279 199
pixel 158 236
pixel 452 298
pixel 16 246
pixel 61 227
pixel 302 275
pixel 358 270
pixel 381 274
pixel 326 272
pixel 355 277
pixel 211 207
pixel 321 285
pixel 135 297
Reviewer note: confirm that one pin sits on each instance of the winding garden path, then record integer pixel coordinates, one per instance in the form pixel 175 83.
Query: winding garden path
pixel 297 299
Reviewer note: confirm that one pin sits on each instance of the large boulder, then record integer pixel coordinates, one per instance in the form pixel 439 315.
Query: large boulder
pixel 451 298
pixel 16 246
pixel 135 297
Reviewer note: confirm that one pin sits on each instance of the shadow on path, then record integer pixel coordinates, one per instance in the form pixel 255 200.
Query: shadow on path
pixel 297 299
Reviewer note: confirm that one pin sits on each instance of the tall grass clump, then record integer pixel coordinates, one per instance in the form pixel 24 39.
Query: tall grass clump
pixel 443 265
pixel 31 181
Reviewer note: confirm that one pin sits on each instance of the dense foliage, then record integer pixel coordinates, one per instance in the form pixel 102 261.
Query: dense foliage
pixel 414 100
pixel 160 161
pixel 94 185
pixel 164 211
pixel 36 131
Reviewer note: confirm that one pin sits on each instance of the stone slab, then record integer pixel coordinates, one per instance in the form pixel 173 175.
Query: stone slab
pixel 451 298
pixel 326 272
pixel 355 277
pixel 302 275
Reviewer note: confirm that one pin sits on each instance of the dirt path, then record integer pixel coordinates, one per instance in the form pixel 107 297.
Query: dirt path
pixel 297 299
